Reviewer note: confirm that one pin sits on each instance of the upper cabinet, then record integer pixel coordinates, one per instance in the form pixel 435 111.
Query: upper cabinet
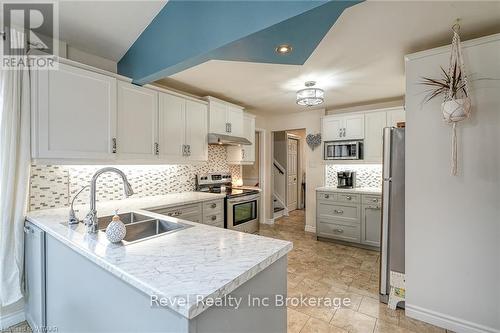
pixel 373 143
pixel 182 128
pixel 343 127
pixel 137 118
pixel 225 118
pixel 367 126
pixel 74 114
pixel 85 116
pixel 244 154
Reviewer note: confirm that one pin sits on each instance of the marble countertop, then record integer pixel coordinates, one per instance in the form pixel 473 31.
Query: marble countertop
pixel 360 190
pixel 195 263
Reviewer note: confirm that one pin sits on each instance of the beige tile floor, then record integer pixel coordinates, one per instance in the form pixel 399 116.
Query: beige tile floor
pixel 325 269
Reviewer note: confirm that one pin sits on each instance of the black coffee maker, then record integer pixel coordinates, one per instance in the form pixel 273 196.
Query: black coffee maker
pixel 346 179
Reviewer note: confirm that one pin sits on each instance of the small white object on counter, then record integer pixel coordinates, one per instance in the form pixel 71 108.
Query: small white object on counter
pixel 360 190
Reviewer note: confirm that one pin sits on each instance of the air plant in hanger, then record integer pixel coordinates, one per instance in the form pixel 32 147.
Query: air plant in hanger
pixel 450 83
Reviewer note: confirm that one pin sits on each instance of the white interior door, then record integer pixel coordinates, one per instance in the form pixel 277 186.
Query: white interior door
pixel 171 126
pixel 137 117
pixel 292 174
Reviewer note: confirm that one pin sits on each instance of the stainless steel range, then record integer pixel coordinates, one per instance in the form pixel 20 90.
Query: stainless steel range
pixel 242 205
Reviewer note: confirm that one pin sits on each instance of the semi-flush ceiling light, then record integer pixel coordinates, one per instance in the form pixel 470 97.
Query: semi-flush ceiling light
pixel 310 96
pixel 283 49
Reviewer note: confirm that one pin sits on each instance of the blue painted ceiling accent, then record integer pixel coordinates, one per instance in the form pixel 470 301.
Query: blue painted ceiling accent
pixel 188 33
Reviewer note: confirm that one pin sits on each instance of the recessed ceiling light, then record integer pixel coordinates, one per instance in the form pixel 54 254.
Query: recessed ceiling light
pixel 283 49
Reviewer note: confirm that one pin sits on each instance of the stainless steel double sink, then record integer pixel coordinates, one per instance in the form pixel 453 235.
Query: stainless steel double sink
pixel 141 227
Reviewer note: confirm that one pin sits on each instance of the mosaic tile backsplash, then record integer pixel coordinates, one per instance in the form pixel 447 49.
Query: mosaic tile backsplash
pixel 53 186
pixel 367 175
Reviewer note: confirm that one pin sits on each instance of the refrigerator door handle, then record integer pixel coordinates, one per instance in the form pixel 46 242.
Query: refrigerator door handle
pixel 384 248
pixel 386 172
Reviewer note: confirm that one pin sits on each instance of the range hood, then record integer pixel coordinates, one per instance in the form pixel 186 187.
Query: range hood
pixel 226 140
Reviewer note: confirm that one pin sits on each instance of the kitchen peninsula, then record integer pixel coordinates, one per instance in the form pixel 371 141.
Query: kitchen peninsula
pixel 166 283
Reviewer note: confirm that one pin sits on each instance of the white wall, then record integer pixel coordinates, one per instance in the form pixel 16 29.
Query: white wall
pixel 453 223
pixel 310 120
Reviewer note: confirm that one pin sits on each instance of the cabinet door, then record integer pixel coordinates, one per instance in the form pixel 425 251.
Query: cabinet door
pixel 370 225
pixel 137 118
pixel 235 119
pixel 196 131
pixel 395 116
pixel 217 117
pixel 354 127
pixel 75 112
pixel 249 133
pixel 374 126
pixel 171 126
pixel 331 128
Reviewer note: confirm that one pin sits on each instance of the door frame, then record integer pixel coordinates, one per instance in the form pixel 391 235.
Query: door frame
pixel 299 177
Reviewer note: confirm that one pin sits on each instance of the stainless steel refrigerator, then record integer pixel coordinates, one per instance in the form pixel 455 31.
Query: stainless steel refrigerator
pixel 392 248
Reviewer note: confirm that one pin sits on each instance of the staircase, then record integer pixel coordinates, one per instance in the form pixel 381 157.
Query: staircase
pixel 279 189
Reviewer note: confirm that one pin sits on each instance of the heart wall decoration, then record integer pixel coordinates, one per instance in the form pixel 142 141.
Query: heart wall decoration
pixel 313 140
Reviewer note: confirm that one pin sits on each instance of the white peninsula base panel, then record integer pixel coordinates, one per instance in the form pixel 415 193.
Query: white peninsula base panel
pixel 349 215
pixel 83 297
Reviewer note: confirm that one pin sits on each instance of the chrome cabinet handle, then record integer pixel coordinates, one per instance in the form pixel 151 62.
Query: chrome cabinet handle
pixel 214 218
pixel 214 205
pixel 338 211
pixel 113 145
pixel 348 197
pixel 157 148
pixel 374 200
pixel 327 196
pixel 338 231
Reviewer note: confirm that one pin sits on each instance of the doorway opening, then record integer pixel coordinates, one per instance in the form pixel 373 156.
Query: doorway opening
pixel 288 176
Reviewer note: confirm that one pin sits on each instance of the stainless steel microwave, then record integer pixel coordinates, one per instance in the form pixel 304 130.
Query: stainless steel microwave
pixel 343 150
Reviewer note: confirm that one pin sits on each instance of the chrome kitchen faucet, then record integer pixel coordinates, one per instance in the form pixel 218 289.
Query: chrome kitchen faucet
pixel 91 217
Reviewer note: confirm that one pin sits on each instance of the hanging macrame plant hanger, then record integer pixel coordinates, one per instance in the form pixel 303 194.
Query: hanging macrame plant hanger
pixel 457 103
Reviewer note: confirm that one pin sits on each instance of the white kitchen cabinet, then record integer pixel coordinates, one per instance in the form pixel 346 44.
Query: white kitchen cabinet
pixel 332 128
pixel 171 126
pixel 137 122
pixel 182 128
pixel 373 143
pixel 395 116
pixel 196 131
pixel 74 114
pixel 225 118
pixel 244 154
pixel 354 127
pixel 371 219
pixel 346 127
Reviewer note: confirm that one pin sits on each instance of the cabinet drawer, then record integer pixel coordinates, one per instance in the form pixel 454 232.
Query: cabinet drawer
pixel 213 207
pixel 348 197
pixel 193 217
pixel 180 211
pixel 371 199
pixel 214 220
pixel 344 232
pixel 326 196
pixel 339 211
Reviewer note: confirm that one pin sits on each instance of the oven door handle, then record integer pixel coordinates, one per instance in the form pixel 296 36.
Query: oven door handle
pixel 246 198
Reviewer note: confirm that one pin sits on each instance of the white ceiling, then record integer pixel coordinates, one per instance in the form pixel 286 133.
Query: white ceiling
pixel 105 28
pixel 359 61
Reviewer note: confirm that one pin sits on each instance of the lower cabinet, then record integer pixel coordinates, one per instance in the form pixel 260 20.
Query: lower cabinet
pixel 349 217
pixel 208 212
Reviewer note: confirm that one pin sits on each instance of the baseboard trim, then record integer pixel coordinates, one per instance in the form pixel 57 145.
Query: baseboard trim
pixel 310 228
pixel 268 221
pixel 12 319
pixel 451 323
